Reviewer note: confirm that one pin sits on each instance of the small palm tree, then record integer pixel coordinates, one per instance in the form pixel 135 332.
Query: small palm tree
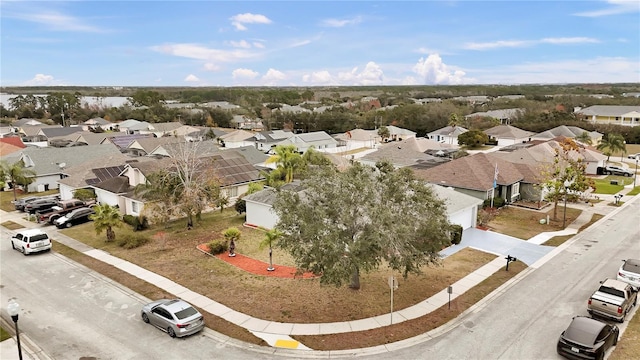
pixel 612 143
pixel 106 217
pixel 17 174
pixel 585 138
pixel 288 159
pixel 232 235
pixel 270 237
pixel 384 133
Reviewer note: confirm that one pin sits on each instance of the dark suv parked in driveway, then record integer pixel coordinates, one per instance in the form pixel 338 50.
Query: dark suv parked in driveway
pixel 22 202
pixel 616 170
pixel 41 204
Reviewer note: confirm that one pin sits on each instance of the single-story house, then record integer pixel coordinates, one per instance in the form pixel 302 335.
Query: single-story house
pixel 408 152
pixel 610 114
pixel 447 135
pixel 266 140
pixel 319 140
pixel 508 135
pixel 505 116
pixel 358 138
pixel 569 132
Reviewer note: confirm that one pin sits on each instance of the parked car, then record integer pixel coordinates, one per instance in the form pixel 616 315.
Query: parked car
pixel 40 204
pixel 629 272
pixel 63 207
pixel 22 202
pixel 635 156
pixel 613 300
pixel 75 217
pixel 587 338
pixel 30 241
pixel 176 317
pixel 616 170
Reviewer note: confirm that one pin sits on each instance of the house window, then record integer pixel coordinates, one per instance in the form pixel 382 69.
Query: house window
pixel 515 191
pixel 231 192
pixel 135 207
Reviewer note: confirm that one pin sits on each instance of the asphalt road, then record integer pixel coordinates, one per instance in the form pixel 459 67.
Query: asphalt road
pixel 70 312
pixel 73 313
pixel 526 320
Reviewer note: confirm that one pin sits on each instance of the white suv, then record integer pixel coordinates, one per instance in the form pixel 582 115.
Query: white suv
pixel 630 272
pixel 30 241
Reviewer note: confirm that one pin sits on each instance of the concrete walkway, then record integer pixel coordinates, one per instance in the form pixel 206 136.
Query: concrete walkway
pixel 278 334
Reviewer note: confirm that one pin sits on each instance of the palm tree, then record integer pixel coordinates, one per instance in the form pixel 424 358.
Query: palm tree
pixel 232 234
pixel 612 143
pixel 106 217
pixel 584 138
pixel 17 175
pixel 270 237
pixel 384 132
pixel 287 158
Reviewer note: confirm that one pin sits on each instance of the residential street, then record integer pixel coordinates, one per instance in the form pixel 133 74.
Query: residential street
pixel 525 321
pixel 71 312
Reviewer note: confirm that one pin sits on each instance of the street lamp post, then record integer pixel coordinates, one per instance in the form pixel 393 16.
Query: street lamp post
pixel 14 309
pixel 635 176
pixel 567 183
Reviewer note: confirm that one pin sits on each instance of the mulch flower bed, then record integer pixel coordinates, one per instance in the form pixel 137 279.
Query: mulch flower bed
pixel 257 267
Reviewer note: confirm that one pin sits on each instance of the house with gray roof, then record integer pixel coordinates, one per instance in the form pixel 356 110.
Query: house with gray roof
pixel 358 138
pixel 123 142
pixel 318 140
pixel 610 114
pixel 171 149
pixel 508 135
pixel 404 153
pixel 96 122
pixel 237 138
pixel 398 134
pixel 31 133
pixel 145 146
pixel 447 135
pixel 505 116
pixel 27 122
pixel 474 175
pixel 569 132
pixel 266 140
pixel 91 138
pixel 83 176
pixel 49 163
pixel 51 134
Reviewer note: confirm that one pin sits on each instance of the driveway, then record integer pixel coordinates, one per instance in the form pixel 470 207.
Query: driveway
pixel 499 244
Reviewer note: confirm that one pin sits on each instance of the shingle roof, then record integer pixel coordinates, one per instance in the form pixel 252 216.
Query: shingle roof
pixel 60 131
pixel 608 110
pixel 123 142
pixel 498 114
pixel 48 160
pixel 33 130
pixel 401 154
pixel 116 185
pixel 97 121
pixel 148 144
pixel 358 135
pixel 507 132
pixel 90 173
pixel 474 172
pixel 455 200
pixel 250 153
pixel 165 127
pixel 238 135
pixel 449 131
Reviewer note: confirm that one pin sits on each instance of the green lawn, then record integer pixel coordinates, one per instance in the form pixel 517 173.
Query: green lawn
pixel 634 192
pixel 603 186
pixel 4 334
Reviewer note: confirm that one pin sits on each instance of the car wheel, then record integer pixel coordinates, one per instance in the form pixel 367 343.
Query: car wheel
pixel 13 246
pixel 615 340
pixel 24 252
pixel 145 318
pixel 600 356
pixel 68 225
pixel 171 332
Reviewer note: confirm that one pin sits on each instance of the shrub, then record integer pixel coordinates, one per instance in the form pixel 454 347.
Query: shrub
pixel 131 241
pixel 497 202
pixel 137 222
pixel 241 206
pixel 456 233
pixel 217 247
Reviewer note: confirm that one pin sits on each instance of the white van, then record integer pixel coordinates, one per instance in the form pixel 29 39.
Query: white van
pixel 30 241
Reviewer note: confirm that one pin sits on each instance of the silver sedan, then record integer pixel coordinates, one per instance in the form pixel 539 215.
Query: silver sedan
pixel 175 317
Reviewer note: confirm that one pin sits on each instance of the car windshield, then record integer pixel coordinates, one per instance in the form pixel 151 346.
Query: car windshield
pixel 581 333
pixel 611 291
pixel 183 314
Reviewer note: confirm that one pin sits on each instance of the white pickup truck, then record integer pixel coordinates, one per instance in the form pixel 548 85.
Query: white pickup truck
pixel 614 299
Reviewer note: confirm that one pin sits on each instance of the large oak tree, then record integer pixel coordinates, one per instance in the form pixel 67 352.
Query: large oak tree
pixel 344 223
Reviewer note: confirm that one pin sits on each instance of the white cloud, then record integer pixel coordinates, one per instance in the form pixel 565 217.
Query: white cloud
pixel 371 75
pixel 240 20
pixel 595 70
pixel 273 77
pixel 211 67
pixel 258 45
pixel 194 51
pixel 495 44
pixel 240 44
pixel 569 40
pixel 523 43
pixel 615 7
pixel 341 22
pixel 433 71
pixel 244 74
pixel 42 80
pixel 59 22
pixel 319 78
pixel 191 78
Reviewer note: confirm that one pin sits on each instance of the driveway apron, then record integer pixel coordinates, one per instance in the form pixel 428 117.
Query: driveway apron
pixel 499 244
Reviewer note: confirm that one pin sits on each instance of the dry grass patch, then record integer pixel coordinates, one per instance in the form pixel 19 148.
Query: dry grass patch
pixel 275 299
pixel 559 240
pixel 415 327
pixel 152 292
pixel 12 225
pixel 525 224
pixel 629 344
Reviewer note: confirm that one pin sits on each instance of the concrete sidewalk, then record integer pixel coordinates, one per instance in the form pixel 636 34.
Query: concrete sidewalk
pixel 278 334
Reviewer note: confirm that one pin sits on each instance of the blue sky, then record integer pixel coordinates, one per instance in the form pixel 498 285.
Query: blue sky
pixel 318 43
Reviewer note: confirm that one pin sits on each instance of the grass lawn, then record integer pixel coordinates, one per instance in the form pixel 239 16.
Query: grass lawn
pixel 634 192
pixel 4 334
pixel 629 345
pixel 603 186
pixel 11 225
pixel 6 197
pixel 559 240
pixel 525 224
